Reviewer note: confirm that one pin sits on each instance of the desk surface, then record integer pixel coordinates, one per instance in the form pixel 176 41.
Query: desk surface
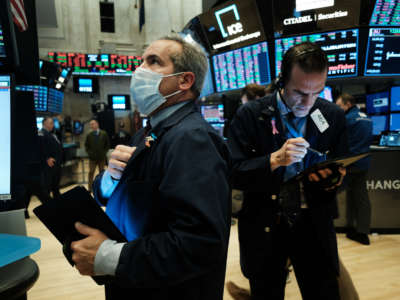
pixel 14 247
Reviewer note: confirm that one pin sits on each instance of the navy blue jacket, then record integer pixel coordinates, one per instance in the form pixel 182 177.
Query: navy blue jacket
pixel 251 142
pixel 177 189
pixel 359 133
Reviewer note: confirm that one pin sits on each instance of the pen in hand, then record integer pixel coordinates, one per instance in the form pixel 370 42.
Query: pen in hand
pixel 317 152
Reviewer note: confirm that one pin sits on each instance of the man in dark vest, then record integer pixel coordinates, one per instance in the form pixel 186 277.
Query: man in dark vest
pixel 96 145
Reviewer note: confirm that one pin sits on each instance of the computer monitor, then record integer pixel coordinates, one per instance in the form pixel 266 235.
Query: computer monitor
pixel 395 98
pixel 394 122
pixel 382 58
pixel 3 53
pixel 237 68
pixel 77 127
pixel 327 94
pixel 5 136
pixel 56 124
pixel 379 124
pixel 213 113
pixel 386 13
pixel 219 127
pixel 119 102
pixel 39 123
pixel 85 85
pixel 55 101
pixel 377 103
pixel 40 95
pixel 341 48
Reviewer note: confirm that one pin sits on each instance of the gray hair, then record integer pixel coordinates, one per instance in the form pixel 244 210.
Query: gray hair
pixel 191 59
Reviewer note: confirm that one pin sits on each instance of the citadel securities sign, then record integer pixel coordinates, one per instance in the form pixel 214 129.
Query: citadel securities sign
pixel 315 17
pixel 296 17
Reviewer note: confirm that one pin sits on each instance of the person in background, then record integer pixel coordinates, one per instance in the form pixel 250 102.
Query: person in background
pixel 271 140
pixel 168 193
pixel 251 92
pixel 50 167
pixel 96 145
pixel 51 150
pixel 122 137
pixel 358 205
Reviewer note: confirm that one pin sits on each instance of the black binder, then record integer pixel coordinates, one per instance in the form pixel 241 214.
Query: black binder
pixel 59 216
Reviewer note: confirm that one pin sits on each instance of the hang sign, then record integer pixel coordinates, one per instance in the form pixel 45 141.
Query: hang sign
pixel 319 120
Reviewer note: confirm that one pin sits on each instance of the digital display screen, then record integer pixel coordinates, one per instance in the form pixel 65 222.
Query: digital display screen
pixel 326 94
pixel 232 25
pixel 40 94
pixel 294 17
pixel 2 45
pixel 377 103
pixel 56 124
pixel 379 124
pixel 55 101
pixel 85 85
pixel 386 13
pixel 219 127
pixel 5 137
pixel 394 122
pixel 96 64
pixel 383 52
pixel 39 122
pixel 119 102
pixel 395 98
pixel 341 48
pixel 237 68
pixel 213 113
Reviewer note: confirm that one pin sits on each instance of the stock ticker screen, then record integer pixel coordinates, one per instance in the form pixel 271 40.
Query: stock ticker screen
pixel 97 64
pixel 341 48
pixel 386 13
pixel 55 101
pixel 237 68
pixel 383 52
pixel 40 94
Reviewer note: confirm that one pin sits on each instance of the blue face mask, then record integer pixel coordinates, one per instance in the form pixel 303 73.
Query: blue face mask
pixel 145 90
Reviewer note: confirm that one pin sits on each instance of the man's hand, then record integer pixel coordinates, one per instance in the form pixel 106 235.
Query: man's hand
pixel 325 173
pixel 84 251
pixel 291 152
pixel 51 162
pixel 118 160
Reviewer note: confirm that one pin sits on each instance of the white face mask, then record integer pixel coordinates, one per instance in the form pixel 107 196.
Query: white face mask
pixel 145 90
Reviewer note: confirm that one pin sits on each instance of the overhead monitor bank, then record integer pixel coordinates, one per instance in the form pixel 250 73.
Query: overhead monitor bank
pixel 341 48
pixel 237 68
pixel 383 52
pixel 5 137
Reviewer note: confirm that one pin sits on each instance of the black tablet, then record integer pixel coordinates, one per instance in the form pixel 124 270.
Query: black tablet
pixel 59 216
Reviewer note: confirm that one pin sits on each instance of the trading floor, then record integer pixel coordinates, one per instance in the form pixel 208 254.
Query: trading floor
pixel 375 269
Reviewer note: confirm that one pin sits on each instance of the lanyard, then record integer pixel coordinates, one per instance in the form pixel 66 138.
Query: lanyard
pixel 292 130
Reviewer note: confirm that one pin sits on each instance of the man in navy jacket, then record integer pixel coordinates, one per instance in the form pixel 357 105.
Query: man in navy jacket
pixel 358 205
pixel 169 193
pixel 270 141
